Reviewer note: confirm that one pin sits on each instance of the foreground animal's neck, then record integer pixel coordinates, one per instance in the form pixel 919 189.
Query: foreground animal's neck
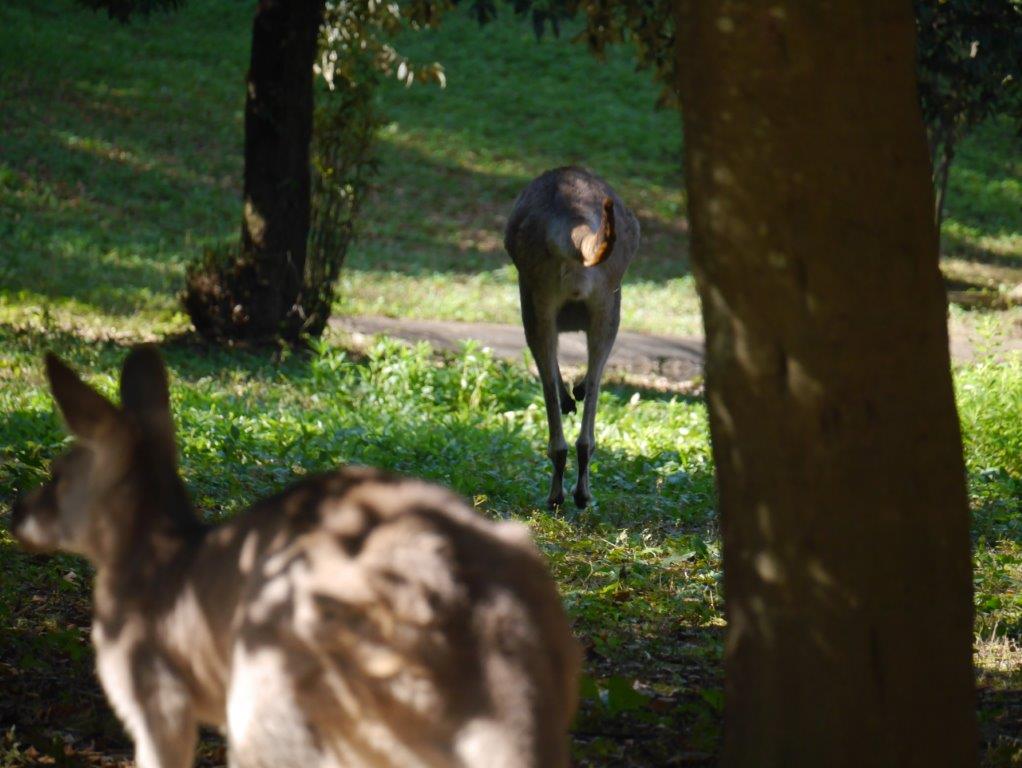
pixel 155 534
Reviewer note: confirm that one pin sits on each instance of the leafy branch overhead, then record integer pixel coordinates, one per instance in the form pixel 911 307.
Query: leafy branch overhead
pixel 355 41
pixel 355 53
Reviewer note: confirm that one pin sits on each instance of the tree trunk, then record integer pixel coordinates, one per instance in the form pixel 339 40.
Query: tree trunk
pixel 836 442
pixel 942 173
pixel 254 293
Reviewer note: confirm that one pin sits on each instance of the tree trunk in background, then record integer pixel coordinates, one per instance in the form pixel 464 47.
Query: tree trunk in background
pixel 837 448
pixel 941 176
pixel 254 293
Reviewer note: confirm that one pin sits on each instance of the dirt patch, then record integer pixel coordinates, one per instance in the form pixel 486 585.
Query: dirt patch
pixel 663 362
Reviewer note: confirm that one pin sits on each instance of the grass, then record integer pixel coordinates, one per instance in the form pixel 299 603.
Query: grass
pixel 454 159
pixel 120 160
pixel 985 198
pixel 637 570
pixel 640 572
pixel 124 151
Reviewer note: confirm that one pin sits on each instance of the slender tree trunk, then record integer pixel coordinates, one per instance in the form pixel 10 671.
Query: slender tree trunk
pixel 835 437
pixel 255 293
pixel 278 130
pixel 943 172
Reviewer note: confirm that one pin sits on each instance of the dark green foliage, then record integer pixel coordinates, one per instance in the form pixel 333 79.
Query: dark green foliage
pixel 648 24
pixel 541 12
pixel 124 10
pixel 344 128
pixel 970 61
pixel 970 67
pixel 355 54
pixel 970 51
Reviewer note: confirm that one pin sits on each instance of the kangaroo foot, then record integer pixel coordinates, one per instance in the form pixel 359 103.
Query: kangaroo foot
pixel 582 497
pixel 558 457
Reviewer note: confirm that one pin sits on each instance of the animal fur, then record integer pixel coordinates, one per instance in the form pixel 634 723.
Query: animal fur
pixel 356 619
pixel 572 239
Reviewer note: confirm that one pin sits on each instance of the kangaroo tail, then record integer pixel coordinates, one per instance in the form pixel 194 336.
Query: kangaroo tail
pixel 603 243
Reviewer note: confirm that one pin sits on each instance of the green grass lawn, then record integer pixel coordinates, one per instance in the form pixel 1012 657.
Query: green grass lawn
pixel 120 160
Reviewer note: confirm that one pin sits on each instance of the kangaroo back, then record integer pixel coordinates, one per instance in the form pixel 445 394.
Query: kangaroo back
pixel 572 239
pixel 425 635
pixel 569 214
pixel 355 620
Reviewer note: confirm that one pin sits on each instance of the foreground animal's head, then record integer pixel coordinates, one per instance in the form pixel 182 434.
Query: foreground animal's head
pixel 121 459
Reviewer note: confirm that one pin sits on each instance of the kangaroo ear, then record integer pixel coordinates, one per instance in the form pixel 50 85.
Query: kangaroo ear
pixel 145 394
pixel 88 414
pixel 144 381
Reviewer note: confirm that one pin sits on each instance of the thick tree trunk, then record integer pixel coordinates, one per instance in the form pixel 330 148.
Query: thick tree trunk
pixel 836 442
pixel 255 293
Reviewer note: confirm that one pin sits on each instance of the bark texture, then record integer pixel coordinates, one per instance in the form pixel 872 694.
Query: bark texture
pixel 836 441
pixel 254 292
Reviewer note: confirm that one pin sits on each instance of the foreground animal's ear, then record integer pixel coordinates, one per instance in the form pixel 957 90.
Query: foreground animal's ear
pixel 145 394
pixel 144 381
pixel 87 413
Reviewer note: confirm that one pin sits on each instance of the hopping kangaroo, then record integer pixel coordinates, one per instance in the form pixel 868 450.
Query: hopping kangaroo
pixel 571 238
pixel 357 619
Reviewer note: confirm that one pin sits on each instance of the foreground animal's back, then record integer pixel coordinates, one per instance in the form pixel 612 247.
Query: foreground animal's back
pixel 556 213
pixel 406 630
pixel 356 619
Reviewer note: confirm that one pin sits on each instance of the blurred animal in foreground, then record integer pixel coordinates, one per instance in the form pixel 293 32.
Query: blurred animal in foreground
pixel 356 619
pixel 571 238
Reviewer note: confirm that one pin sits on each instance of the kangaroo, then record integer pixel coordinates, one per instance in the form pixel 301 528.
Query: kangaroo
pixel 356 619
pixel 571 238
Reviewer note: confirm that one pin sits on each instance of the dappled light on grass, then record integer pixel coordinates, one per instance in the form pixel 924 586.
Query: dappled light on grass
pixel 78 221
pixel 637 568
pixel 989 402
pixel 121 162
pixel 984 203
pixel 639 571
